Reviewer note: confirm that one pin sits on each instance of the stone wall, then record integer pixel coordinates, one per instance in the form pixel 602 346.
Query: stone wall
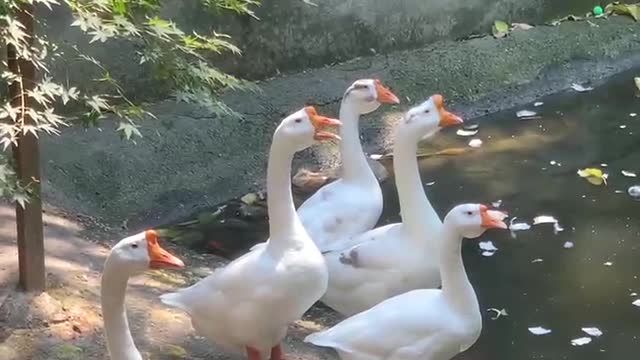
pixel 292 35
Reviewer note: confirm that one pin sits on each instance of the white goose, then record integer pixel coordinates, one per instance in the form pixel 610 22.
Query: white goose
pixel 395 258
pixel 248 305
pixel 352 204
pixel 127 258
pixel 427 324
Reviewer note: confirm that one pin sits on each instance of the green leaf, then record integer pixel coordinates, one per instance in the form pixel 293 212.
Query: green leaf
pixel 500 29
pixel 119 7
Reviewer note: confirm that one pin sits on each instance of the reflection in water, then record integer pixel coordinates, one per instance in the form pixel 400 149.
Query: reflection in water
pixel 531 166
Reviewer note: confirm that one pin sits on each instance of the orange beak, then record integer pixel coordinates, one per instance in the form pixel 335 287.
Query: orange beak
pixel 321 122
pixel 492 219
pixel 159 257
pixel 446 118
pixel 385 96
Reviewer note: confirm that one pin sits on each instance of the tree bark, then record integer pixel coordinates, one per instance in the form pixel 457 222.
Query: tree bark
pixel 27 159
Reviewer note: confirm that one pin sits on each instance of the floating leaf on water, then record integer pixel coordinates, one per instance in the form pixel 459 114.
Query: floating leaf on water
pixel 633 294
pixel 608 263
pixel 581 341
pixel 518 226
pixel 538 260
pixel 521 26
pixel 629 173
pixel 430 183
pixel 538 103
pixel 463 132
pixel 636 303
pixel 487 246
pixel 538 330
pixel 568 245
pixel 526 114
pixel 499 312
pixel 594 175
pixel 623 126
pixel 593 331
pixel 500 29
pixel 633 114
pixel 557 228
pixel 580 88
pixel 249 198
pixel 544 219
pixel 475 143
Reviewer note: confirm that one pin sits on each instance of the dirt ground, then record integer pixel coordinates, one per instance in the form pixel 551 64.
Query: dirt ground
pixel 65 322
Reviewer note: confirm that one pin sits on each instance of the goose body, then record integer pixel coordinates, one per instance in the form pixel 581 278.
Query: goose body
pixel 390 260
pixel 423 324
pixel 248 305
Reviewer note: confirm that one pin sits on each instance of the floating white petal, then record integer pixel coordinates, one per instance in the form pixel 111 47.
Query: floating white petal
pixel 463 132
pixel 568 245
pixel 629 173
pixel 526 113
pixel 636 303
pixel 538 330
pixel 608 263
pixel 488 253
pixel 487 246
pixel 593 331
pixel 544 219
pixel 538 103
pixel 475 143
pixel 375 156
pixel 537 260
pixel 581 341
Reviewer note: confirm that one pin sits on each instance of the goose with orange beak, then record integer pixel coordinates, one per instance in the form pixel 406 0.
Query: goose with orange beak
pixel 352 204
pixel 248 305
pixel 395 258
pixel 130 256
pixel 426 323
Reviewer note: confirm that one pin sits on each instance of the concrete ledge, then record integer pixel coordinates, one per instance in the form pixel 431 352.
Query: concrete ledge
pixel 200 160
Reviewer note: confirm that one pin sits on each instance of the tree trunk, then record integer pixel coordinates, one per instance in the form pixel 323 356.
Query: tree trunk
pixel 27 159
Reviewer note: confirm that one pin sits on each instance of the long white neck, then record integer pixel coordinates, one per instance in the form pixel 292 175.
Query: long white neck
pixel 456 287
pixel 285 226
pixel 116 326
pixel 355 167
pixel 417 212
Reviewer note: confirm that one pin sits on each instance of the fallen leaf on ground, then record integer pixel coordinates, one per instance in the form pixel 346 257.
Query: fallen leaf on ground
pixel 538 330
pixel 500 29
pixel 593 331
pixel 632 10
pixel 521 26
pixel 580 88
pixel 581 341
pixel 593 175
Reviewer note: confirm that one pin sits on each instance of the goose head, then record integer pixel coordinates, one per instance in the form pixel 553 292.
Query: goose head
pixel 472 220
pixel 428 118
pixel 368 94
pixel 302 128
pixel 141 252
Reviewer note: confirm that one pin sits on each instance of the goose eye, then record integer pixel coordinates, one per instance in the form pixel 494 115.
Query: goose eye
pixel 298 121
pixel 469 213
pixel 427 111
pixel 135 246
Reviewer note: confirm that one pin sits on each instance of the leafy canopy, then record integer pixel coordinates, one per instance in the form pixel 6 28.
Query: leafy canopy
pixel 176 57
